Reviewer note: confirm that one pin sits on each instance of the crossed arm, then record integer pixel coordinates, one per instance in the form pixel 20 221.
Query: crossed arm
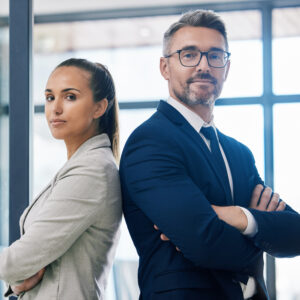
pixel 29 283
pixel 262 199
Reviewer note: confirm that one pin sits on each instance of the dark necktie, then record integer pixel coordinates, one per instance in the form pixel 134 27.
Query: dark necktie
pixel 210 134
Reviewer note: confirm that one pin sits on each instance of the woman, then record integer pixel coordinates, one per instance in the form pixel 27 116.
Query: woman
pixel 69 232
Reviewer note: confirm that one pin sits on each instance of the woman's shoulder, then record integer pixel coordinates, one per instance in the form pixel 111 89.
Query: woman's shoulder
pixel 93 162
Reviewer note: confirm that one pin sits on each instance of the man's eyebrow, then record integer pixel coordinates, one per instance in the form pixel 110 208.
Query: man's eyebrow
pixel 190 48
pixel 64 90
pixel 197 49
pixel 216 49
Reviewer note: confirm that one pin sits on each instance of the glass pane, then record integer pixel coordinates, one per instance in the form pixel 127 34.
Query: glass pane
pixel 4 141
pixel 244 123
pixel 131 49
pixel 130 119
pixel 135 71
pixel 49 154
pixel 244 36
pixel 287 163
pixel 242 70
pixel 286 49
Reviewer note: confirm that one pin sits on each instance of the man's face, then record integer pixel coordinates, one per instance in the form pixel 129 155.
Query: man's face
pixel 194 85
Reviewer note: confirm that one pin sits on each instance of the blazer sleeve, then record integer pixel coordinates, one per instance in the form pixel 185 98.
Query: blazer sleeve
pixel 77 199
pixel 278 232
pixel 154 175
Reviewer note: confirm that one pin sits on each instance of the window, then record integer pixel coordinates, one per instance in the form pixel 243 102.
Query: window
pixel 244 123
pixel 286 49
pixel 287 162
pixel 245 45
pixel 131 49
pixel 3 138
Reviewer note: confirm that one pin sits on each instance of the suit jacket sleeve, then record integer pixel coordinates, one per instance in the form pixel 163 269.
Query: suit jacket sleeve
pixel 278 232
pixel 76 200
pixel 153 173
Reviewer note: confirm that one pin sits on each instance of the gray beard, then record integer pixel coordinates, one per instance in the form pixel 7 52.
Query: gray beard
pixel 192 100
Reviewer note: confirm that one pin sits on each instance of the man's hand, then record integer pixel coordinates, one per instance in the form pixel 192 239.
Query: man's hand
pixel 265 200
pixel 29 283
pixel 164 237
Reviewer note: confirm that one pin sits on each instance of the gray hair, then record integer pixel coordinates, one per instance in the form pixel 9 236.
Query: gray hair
pixel 197 18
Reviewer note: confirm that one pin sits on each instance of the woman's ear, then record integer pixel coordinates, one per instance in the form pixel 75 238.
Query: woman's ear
pixel 100 108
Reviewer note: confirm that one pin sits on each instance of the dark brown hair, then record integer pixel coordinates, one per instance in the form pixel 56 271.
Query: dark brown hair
pixel 197 18
pixel 102 86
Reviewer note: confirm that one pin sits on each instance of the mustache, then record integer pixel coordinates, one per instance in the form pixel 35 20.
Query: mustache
pixel 203 76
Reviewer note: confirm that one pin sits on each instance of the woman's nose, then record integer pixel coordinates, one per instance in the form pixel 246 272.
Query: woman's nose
pixel 57 106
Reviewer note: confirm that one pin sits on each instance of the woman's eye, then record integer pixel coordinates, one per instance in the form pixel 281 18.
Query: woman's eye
pixel 49 98
pixel 71 97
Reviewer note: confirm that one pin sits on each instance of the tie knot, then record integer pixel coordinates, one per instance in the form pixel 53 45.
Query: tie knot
pixel 208 132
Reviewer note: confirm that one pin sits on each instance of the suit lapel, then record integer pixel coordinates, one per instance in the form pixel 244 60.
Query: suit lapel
pixel 174 116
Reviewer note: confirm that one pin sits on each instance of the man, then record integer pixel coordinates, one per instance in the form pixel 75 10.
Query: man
pixel 194 203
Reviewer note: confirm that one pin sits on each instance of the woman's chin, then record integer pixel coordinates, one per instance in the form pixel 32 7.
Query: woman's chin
pixel 57 136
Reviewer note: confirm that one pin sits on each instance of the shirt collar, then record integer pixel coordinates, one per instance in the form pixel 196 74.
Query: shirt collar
pixel 193 119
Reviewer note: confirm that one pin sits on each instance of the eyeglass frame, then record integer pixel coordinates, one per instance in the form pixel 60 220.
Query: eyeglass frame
pixel 205 53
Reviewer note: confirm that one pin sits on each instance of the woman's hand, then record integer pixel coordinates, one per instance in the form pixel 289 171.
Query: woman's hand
pixel 29 283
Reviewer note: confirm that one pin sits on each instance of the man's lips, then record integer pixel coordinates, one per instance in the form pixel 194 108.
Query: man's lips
pixel 203 79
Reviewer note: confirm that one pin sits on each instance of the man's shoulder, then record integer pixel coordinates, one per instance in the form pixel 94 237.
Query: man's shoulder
pixel 156 125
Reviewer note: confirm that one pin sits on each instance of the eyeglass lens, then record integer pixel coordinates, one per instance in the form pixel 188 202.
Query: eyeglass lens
pixel 216 58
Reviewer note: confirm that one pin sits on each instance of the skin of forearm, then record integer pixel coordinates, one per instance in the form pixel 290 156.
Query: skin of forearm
pixel 232 215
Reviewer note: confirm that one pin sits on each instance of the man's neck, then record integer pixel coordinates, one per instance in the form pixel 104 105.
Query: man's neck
pixel 205 112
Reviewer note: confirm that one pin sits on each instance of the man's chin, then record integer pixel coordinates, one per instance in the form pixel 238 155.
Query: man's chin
pixel 206 100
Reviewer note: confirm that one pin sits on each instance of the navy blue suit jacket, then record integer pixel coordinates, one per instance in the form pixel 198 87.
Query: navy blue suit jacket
pixel 169 179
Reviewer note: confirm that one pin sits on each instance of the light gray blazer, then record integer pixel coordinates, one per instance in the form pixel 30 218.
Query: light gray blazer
pixel 71 228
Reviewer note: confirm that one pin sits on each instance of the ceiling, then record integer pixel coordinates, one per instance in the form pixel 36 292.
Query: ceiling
pixel 63 6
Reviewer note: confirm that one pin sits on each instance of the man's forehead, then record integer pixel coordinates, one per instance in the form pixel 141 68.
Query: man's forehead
pixel 200 37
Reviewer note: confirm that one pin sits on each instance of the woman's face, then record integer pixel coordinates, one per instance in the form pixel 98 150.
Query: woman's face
pixel 70 108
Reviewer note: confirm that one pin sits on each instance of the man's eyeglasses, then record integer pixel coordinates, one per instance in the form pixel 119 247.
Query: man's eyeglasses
pixel 192 58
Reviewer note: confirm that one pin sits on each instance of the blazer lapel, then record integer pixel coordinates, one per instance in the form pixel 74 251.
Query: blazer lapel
pixel 27 210
pixel 174 116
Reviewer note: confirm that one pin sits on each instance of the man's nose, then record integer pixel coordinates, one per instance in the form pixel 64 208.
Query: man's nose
pixel 203 64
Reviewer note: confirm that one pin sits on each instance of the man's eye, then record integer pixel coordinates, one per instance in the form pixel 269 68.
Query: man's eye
pixel 189 55
pixel 215 56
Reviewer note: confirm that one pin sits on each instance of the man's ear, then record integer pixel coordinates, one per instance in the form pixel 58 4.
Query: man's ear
pixel 100 108
pixel 164 68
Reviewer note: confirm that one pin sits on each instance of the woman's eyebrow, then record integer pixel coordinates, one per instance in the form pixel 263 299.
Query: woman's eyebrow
pixel 64 90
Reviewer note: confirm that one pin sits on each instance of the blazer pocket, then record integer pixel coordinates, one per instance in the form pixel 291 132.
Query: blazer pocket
pixel 182 279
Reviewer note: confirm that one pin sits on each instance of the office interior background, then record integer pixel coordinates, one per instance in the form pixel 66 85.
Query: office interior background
pixel 260 103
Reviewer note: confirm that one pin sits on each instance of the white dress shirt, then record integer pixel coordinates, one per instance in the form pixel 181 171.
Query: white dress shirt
pixel 197 122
